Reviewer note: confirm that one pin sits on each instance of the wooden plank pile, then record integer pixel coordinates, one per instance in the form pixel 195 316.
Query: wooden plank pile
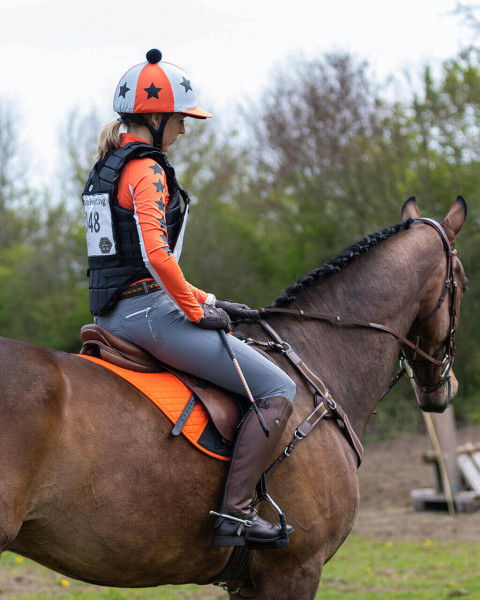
pixel 465 487
pixel 457 469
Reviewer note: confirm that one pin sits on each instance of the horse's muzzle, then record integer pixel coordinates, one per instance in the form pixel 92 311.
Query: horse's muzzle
pixel 438 400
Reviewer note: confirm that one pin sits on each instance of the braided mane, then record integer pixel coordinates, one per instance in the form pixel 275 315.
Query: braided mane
pixel 335 265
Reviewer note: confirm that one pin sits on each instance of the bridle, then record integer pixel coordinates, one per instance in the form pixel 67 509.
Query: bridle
pixel 448 346
pixel 447 350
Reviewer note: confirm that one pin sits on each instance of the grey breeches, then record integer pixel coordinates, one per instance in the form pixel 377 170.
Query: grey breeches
pixel 154 322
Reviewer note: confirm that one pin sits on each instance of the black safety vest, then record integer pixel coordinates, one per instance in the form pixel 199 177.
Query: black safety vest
pixel 115 257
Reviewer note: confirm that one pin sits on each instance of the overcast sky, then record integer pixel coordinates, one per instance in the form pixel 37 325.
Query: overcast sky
pixel 59 54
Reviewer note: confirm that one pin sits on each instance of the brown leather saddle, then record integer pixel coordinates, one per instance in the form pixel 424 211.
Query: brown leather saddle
pixel 223 407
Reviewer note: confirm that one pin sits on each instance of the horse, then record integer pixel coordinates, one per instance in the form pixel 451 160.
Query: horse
pixel 94 486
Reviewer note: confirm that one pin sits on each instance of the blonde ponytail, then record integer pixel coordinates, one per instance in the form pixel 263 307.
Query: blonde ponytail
pixel 109 139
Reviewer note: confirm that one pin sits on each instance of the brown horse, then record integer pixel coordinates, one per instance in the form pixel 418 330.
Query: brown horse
pixel 92 484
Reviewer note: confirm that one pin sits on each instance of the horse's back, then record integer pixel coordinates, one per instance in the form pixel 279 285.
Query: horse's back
pixel 105 479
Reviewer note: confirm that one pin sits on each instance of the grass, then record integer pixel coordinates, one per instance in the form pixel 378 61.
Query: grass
pixel 367 569
pixel 363 569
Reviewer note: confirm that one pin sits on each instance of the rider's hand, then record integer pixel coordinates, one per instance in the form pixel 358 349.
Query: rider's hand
pixel 214 318
pixel 235 310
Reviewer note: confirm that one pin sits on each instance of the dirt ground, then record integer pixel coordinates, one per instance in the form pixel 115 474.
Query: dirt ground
pixel 389 472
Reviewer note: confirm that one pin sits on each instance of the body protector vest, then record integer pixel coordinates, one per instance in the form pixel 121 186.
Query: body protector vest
pixel 114 253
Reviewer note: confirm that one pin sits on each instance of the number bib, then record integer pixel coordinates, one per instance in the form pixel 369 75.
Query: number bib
pixel 98 223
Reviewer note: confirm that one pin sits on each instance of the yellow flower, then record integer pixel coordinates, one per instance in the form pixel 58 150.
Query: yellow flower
pixel 368 570
pixel 427 542
pixel 19 559
pixel 388 544
pixel 64 582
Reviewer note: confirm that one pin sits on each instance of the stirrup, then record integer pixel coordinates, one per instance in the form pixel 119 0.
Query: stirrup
pixel 264 496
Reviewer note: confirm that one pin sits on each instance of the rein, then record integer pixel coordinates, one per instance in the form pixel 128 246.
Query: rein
pixel 337 320
pixel 328 406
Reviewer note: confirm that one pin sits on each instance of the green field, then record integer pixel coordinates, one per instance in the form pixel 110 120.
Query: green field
pixel 364 569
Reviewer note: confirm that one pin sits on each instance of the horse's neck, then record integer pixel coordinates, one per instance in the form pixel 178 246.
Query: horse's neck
pixel 355 362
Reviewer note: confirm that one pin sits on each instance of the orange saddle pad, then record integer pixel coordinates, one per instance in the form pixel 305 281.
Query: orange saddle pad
pixel 170 395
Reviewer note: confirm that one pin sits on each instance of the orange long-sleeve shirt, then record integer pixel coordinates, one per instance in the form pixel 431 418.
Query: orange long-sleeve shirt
pixel 143 188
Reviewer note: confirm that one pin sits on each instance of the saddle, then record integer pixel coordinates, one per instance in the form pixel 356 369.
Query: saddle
pixel 222 407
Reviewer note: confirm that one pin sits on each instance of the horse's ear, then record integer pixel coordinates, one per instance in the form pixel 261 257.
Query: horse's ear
pixel 456 216
pixel 410 209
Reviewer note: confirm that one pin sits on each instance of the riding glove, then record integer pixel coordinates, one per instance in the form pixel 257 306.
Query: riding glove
pixel 235 310
pixel 214 318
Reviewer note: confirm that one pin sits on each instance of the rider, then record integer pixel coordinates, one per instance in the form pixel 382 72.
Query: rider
pixel 135 214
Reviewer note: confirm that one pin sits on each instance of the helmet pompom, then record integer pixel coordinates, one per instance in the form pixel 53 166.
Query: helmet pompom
pixel 154 56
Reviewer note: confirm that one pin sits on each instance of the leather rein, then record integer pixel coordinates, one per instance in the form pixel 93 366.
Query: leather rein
pixel 325 405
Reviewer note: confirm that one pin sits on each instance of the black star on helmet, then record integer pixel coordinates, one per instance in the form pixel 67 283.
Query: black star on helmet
pixel 156 169
pixel 152 91
pixel 186 85
pixel 123 90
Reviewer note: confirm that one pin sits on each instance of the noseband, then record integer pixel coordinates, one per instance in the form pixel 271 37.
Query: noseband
pixel 448 347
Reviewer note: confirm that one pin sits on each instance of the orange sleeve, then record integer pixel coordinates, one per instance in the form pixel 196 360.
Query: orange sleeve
pixel 199 294
pixel 145 182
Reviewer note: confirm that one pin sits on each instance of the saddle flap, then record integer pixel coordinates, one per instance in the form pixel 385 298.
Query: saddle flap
pixel 222 406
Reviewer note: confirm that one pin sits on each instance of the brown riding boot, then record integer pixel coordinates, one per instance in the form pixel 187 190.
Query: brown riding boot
pixel 252 454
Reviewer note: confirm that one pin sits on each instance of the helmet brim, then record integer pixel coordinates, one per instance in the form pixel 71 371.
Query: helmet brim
pixel 197 113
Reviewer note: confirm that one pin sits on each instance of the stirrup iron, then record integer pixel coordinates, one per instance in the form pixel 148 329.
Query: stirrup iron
pixel 264 496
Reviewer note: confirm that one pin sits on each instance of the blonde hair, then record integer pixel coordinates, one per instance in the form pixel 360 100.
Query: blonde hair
pixel 109 139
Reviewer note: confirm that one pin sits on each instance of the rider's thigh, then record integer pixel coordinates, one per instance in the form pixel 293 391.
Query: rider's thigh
pixel 156 323
pixel 181 344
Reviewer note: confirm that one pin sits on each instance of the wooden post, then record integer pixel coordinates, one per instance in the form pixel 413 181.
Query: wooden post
pixel 444 424
pixel 441 429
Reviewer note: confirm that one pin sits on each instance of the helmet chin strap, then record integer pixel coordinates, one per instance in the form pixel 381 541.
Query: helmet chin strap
pixel 156 132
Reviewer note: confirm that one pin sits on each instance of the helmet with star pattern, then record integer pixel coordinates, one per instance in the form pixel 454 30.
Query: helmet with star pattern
pixel 156 86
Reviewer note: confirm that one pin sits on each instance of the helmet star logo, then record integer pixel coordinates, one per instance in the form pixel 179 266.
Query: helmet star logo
pixel 186 85
pixel 123 90
pixel 152 91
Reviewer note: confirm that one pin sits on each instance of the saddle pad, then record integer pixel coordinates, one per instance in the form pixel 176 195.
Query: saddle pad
pixel 170 395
